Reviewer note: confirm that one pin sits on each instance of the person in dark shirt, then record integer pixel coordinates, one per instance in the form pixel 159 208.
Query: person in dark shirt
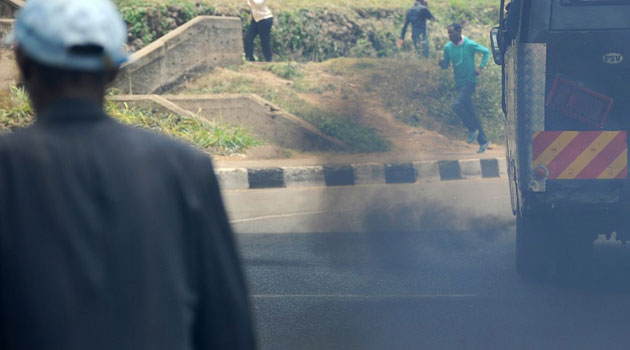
pixel 111 238
pixel 418 15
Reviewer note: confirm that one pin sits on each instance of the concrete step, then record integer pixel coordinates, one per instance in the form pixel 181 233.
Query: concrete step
pixel 263 119
pixel 190 50
pixel 8 8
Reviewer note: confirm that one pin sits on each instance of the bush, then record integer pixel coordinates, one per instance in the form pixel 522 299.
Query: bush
pixel 307 31
pixel 148 21
pixel 211 137
pixel 15 110
pixel 286 70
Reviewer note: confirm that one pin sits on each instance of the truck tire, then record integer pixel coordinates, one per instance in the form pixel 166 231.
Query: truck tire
pixel 534 251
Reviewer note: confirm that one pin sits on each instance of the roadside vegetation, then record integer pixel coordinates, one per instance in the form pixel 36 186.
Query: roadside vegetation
pixel 213 138
pixel 341 51
pixel 348 98
pixel 285 92
pixel 416 91
pixel 311 30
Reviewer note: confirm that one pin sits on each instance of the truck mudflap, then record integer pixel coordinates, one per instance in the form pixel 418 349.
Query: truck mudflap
pixel 580 155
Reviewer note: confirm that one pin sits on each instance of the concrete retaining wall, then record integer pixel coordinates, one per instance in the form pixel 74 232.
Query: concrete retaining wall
pixel 5 27
pixel 261 117
pixel 267 122
pixel 156 103
pixel 8 69
pixel 8 8
pixel 191 49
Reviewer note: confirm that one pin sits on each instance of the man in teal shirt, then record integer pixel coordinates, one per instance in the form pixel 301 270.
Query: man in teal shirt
pixel 460 51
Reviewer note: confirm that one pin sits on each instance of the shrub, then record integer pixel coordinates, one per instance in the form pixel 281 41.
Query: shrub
pixel 15 110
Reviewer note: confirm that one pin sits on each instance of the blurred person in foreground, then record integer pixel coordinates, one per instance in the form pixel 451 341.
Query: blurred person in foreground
pixel 417 15
pixel 110 237
pixel 460 51
pixel 260 25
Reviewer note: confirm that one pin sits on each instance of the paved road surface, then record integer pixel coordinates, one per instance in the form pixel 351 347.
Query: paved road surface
pixel 415 267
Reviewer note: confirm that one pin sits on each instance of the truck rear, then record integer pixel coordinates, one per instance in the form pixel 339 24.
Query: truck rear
pixel 566 86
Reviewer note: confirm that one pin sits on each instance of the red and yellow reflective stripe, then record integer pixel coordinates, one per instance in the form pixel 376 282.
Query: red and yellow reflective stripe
pixel 582 154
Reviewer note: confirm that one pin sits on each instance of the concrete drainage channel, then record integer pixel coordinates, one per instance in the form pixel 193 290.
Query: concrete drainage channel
pixel 361 174
pixel 263 119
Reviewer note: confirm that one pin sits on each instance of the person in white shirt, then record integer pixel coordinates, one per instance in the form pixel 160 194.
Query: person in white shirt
pixel 262 20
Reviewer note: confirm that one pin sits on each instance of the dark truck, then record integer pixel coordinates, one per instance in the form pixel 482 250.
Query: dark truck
pixel 566 98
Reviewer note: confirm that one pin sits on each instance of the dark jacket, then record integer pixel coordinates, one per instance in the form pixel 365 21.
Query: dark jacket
pixel 417 15
pixel 114 238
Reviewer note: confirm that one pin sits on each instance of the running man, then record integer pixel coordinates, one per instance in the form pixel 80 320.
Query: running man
pixel 460 51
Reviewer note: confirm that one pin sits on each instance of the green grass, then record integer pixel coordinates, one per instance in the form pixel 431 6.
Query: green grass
pixel 358 137
pixel 417 93
pixel 311 30
pixel 139 14
pixel 15 110
pixel 213 138
pixel 286 70
pixel 297 4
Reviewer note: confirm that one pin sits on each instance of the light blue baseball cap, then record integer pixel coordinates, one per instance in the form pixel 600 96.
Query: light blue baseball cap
pixel 56 33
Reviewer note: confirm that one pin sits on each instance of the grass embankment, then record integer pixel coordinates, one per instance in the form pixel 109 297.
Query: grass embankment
pixel 285 92
pixel 213 138
pixel 346 97
pixel 413 90
pixel 417 92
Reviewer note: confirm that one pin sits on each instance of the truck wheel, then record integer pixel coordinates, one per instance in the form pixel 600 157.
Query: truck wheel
pixel 534 253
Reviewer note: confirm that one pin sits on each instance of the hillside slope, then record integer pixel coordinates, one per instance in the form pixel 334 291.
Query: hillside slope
pixel 365 92
pixel 374 105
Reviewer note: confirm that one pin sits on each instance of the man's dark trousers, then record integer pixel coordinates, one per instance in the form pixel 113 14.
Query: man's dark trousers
pixel 421 34
pixel 263 28
pixel 466 110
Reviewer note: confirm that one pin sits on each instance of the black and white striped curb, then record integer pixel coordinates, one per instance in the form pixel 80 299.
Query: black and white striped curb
pixel 361 174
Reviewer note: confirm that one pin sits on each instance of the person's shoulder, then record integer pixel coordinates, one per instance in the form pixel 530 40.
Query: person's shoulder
pixel 448 45
pixel 124 140
pixel 17 137
pixel 170 153
pixel 160 143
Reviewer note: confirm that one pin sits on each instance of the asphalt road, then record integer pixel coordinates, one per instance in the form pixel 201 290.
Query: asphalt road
pixel 415 267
